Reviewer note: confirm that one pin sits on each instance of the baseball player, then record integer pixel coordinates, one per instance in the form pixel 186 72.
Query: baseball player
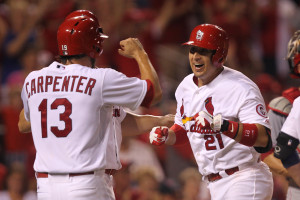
pixel 284 118
pixel 222 114
pixel 70 106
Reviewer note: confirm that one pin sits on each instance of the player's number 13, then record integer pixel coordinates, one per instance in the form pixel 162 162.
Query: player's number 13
pixel 65 116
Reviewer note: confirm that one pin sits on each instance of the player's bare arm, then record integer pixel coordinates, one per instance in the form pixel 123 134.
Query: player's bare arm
pixel 135 124
pixel 171 138
pixel 24 125
pixel 293 171
pixel 132 48
pixel 275 165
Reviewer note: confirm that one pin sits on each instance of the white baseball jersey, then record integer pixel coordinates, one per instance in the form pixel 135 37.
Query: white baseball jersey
pixel 234 96
pixel 71 113
pixel 114 132
pixel 291 125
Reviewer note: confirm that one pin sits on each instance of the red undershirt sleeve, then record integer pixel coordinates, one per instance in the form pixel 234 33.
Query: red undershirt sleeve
pixel 181 135
pixel 149 95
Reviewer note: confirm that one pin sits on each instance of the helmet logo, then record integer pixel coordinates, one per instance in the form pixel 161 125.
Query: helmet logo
pixel 199 35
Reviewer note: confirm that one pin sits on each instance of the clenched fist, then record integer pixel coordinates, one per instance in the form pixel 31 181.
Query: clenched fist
pixel 131 47
pixel 159 135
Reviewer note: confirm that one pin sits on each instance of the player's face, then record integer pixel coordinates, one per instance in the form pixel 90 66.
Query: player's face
pixel 201 62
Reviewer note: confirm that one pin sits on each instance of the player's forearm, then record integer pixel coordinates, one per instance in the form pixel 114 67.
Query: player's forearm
pixel 293 172
pixel 23 124
pixel 171 139
pixel 275 165
pixel 146 122
pixel 135 124
pixel 148 72
pixel 262 138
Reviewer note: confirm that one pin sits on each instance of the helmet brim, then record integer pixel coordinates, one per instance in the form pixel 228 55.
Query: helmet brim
pixel 104 36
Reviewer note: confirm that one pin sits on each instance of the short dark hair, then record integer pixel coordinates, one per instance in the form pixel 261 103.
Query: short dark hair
pixel 64 59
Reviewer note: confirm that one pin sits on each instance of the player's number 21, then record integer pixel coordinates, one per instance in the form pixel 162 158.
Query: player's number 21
pixel 65 116
pixel 210 140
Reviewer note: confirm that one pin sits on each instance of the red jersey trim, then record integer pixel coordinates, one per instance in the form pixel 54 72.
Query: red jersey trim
pixel 278 111
pixel 149 94
pixel 291 94
pixel 181 135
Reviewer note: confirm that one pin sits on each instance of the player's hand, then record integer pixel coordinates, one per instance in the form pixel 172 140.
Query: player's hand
pixel 131 48
pixel 216 123
pixel 203 119
pixel 158 135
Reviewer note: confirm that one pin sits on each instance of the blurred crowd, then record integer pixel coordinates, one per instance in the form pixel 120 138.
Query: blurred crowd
pixel 259 31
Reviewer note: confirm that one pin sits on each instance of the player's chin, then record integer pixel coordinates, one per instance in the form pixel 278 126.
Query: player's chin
pixel 198 72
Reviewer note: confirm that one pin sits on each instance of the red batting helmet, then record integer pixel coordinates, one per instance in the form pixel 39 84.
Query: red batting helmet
pixel 210 37
pixel 80 35
pixel 293 55
pixel 78 13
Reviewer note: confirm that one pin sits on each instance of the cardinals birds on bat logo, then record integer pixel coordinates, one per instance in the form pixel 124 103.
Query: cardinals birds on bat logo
pixel 209 106
pixel 182 109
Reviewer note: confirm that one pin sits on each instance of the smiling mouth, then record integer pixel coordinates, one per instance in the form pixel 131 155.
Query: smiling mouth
pixel 198 66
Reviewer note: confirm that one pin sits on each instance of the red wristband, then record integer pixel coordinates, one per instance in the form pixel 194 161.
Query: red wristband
pixel 249 135
pixel 232 130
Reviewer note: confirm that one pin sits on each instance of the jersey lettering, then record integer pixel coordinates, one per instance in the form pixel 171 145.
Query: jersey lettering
pixel 56 83
pixel 40 84
pixel 33 90
pixel 79 84
pixel 49 80
pixel 73 82
pixel 198 129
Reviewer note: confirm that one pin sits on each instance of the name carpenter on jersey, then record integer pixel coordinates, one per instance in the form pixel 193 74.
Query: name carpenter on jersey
pixel 79 84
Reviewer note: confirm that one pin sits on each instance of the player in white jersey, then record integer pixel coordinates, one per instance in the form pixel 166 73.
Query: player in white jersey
pixel 279 109
pixel 222 114
pixel 287 146
pixel 69 106
pixel 287 143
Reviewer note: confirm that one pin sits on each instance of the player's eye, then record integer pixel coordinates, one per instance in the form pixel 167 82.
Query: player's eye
pixel 192 50
pixel 200 50
pixel 100 30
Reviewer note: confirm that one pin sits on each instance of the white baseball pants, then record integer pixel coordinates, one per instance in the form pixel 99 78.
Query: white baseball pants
pixel 251 183
pixel 97 186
